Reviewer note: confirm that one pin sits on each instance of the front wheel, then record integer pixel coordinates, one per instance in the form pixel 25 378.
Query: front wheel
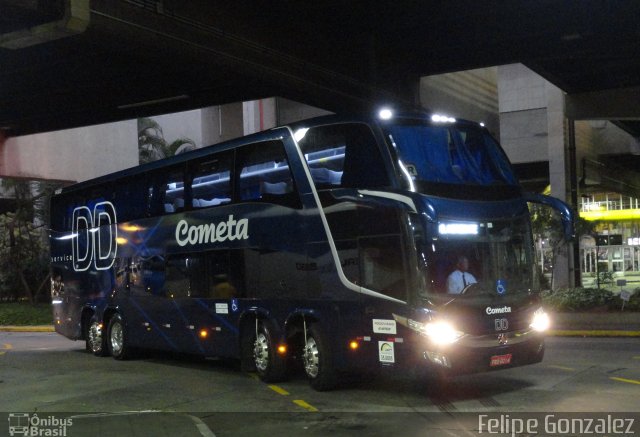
pixel 95 340
pixel 318 362
pixel 270 365
pixel 118 346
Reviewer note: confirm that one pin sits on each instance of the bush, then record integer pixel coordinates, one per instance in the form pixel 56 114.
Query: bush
pixel 588 299
pixel 634 301
pixel 24 314
pixel 578 299
pixel 606 277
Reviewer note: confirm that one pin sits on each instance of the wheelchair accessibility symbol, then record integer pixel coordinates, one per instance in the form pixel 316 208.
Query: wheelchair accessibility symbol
pixel 501 287
pixel 234 305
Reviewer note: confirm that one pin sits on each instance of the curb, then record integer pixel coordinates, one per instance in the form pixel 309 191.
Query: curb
pixel 45 328
pixel 592 333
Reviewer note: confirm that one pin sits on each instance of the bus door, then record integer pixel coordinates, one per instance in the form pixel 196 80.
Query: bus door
pixel 150 315
pixel 370 240
pixel 352 173
pixel 207 306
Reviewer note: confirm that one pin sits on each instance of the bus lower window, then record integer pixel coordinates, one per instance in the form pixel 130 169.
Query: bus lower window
pixel 195 275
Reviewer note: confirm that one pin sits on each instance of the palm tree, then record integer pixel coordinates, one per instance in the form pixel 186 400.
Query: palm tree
pixel 152 145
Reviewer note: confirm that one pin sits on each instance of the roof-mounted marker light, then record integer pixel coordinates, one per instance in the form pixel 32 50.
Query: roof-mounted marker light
pixel 300 133
pixel 438 118
pixel 385 114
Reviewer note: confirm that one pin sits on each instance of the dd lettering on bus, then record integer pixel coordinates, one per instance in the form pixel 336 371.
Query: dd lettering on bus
pixel 95 237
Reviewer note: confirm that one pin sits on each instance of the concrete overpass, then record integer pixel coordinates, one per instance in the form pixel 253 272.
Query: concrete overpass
pixel 68 63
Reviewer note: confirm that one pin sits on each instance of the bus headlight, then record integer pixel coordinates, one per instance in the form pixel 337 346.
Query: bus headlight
pixel 440 332
pixel 541 321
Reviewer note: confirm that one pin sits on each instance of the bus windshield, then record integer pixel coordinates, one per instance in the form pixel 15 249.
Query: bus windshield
pixel 450 153
pixel 473 259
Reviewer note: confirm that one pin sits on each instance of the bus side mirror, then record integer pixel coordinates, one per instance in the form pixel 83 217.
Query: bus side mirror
pixel 565 211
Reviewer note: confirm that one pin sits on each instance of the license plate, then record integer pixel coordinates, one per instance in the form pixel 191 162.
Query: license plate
pixel 500 360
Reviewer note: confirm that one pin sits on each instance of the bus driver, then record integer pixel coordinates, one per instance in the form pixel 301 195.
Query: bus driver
pixel 460 278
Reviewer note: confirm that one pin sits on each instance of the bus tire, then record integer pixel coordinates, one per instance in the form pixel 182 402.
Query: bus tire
pixel 95 338
pixel 247 340
pixel 117 339
pixel 270 366
pixel 318 360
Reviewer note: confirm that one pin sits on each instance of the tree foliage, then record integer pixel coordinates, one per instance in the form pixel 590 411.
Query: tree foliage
pixel 24 249
pixel 152 144
pixel 546 225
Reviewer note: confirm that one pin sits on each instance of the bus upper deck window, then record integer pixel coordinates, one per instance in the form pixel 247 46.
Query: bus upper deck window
pixel 211 181
pixel 264 174
pixel 344 155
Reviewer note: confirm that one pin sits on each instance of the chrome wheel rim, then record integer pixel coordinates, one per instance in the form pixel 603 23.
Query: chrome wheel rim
pixel 311 358
pixel 95 337
pixel 261 352
pixel 116 338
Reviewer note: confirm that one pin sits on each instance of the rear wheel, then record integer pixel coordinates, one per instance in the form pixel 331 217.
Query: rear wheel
pixel 247 340
pixel 270 365
pixel 318 361
pixel 118 346
pixel 95 340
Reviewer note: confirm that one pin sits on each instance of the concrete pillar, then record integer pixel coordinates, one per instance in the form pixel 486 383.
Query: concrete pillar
pixel 258 115
pixel 558 164
pixel 523 117
pixel 559 177
pixel 221 123
pixel 532 128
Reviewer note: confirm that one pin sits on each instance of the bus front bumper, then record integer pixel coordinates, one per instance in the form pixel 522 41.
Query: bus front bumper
pixel 473 354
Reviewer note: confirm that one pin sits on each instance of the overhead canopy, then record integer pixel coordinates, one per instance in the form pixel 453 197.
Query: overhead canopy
pixel 67 63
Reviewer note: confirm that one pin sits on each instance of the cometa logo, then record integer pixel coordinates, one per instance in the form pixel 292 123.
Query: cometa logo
pixel 504 309
pixel 212 232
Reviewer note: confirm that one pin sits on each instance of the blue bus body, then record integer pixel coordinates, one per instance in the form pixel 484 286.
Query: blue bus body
pixel 328 241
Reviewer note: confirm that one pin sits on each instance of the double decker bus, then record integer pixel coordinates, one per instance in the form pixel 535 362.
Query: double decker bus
pixel 333 243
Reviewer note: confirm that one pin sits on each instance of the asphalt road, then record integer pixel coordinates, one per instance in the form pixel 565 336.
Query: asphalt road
pixel 46 374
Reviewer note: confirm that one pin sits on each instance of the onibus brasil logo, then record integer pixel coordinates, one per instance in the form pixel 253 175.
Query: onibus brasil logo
pixel 32 425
